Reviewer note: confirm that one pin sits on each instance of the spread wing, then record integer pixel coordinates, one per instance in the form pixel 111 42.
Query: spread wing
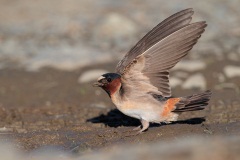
pixel 146 66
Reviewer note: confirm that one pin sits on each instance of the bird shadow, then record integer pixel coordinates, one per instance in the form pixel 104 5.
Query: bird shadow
pixel 115 118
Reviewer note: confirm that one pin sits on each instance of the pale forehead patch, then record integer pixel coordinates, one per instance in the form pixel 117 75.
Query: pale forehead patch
pixel 100 78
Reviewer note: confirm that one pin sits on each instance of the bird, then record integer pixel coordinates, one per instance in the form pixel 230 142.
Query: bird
pixel 139 87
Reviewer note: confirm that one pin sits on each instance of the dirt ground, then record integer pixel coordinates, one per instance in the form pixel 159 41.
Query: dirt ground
pixel 43 107
pixel 50 107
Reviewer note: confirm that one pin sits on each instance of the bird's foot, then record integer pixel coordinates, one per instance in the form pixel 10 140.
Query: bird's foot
pixel 137 128
pixel 140 131
pixel 145 125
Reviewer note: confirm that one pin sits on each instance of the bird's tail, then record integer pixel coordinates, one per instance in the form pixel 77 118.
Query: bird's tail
pixel 194 102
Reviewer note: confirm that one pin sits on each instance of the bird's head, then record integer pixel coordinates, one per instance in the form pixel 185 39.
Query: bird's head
pixel 110 82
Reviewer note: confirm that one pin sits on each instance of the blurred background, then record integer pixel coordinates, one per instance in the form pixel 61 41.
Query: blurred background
pixel 52 51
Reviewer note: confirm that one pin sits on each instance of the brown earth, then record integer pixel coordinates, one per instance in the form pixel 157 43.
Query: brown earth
pixel 50 107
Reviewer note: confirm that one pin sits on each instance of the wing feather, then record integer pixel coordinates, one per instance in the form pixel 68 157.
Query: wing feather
pixel 163 29
pixel 167 53
pixel 146 66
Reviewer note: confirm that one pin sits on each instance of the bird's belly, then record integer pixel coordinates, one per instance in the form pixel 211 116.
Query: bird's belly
pixel 129 109
pixel 140 110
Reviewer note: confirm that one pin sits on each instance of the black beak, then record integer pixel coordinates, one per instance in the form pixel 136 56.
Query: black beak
pixel 97 84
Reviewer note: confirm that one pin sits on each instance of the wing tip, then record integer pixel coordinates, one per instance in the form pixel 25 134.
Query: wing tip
pixel 199 24
pixel 186 10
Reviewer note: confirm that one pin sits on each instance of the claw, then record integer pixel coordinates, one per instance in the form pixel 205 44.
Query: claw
pixel 145 125
pixel 137 128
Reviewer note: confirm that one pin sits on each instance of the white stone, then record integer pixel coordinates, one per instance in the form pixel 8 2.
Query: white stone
pixel 181 74
pixel 91 75
pixel 4 129
pixel 190 65
pixel 195 81
pixel 232 71
pixel 174 82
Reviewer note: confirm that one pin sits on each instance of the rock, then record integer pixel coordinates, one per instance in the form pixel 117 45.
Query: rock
pixel 115 30
pixel 91 75
pixel 174 82
pixel 190 65
pixel 195 81
pixel 181 74
pixel 232 71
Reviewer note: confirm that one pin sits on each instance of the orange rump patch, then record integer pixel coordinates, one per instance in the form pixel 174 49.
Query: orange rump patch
pixel 169 106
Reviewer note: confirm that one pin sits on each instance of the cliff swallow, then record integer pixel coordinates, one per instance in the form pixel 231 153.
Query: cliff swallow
pixel 140 87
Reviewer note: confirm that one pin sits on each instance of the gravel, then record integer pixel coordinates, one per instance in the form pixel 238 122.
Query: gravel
pixel 75 34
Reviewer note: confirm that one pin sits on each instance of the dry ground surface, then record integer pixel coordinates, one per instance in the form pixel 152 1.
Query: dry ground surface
pixel 45 46
pixel 51 108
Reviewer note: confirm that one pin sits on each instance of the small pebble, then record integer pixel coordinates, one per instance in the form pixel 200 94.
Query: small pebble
pixel 195 81
pixel 181 74
pixel 4 129
pixel 232 71
pixel 174 82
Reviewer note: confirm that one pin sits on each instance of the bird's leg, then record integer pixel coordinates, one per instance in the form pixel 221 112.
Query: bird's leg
pixel 145 125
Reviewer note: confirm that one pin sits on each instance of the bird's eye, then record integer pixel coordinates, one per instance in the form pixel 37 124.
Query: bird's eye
pixel 109 79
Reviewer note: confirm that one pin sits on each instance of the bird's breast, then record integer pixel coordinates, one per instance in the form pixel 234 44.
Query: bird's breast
pixel 121 103
pixel 126 106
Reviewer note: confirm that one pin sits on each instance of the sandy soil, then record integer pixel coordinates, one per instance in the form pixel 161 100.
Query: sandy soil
pixel 50 107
